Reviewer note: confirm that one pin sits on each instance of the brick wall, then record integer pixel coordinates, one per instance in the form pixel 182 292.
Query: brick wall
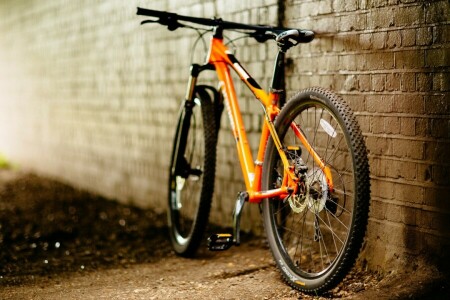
pixel 90 97
pixel 389 59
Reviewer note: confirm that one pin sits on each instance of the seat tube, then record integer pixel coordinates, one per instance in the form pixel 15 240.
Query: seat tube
pixel 278 80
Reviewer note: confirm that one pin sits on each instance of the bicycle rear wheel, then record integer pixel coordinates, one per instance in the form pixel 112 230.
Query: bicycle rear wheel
pixel 315 235
pixel 192 171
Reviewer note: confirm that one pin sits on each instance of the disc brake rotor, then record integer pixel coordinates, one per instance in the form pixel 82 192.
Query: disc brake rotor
pixel 312 194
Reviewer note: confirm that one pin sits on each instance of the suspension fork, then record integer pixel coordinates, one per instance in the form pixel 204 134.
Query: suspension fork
pixel 185 116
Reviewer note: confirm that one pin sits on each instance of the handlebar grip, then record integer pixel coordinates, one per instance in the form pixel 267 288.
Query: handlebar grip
pixel 152 13
pixel 164 18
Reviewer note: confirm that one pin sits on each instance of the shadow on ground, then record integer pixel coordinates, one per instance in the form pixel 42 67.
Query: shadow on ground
pixel 47 227
pixel 56 240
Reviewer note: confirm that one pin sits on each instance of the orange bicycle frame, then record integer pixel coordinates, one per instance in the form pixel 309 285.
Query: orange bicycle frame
pixel 221 58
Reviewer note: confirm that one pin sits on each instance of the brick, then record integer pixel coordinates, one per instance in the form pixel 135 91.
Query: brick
pixel 364 83
pixel 408 15
pixel 408 193
pixel 393 39
pixel 380 18
pixel 379 40
pixel 424 36
pixel 395 236
pixel 437 12
pixel 393 82
pixel 352 22
pixel 383 190
pixel 408 104
pixel 351 5
pixel 424 173
pixel 380 61
pixel 377 103
pixel 408 149
pixel 436 57
pixel 379 146
pixel 326 24
pixel 411 59
pixel 393 213
pixel 347 62
pixel 351 83
pixel 441 175
pixel 437 104
pixel 363 4
pixel 422 127
pixel 378 166
pixel 441 34
pixel 378 3
pixel 365 41
pixel 408 82
pixel 424 82
pixel 401 169
pixel 378 82
pixel 377 126
pixel 441 82
pixel 325 7
pixel 407 126
pixel 391 125
pixel 378 210
pixel 408 37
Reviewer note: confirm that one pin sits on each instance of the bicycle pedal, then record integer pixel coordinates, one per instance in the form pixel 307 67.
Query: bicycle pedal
pixel 220 241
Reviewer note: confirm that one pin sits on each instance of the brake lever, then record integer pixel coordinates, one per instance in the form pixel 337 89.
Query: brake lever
pixel 149 21
pixel 169 22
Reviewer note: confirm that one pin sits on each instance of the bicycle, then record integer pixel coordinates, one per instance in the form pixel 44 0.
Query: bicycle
pixel 311 174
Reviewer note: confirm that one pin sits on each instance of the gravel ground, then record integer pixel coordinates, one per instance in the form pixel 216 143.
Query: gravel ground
pixel 59 242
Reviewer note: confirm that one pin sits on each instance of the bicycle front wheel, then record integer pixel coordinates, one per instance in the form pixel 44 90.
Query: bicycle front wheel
pixel 192 171
pixel 315 235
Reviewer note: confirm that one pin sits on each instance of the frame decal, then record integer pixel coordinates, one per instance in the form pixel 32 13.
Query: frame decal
pixel 241 71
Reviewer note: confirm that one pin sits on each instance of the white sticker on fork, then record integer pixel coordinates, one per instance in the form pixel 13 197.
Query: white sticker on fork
pixel 328 128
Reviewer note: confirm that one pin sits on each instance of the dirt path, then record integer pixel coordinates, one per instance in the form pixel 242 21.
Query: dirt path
pixel 61 243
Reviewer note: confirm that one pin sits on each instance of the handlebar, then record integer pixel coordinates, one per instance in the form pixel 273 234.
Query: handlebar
pixel 167 18
pixel 261 33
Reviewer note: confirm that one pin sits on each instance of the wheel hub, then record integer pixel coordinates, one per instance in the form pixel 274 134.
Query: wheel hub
pixel 318 190
pixel 312 193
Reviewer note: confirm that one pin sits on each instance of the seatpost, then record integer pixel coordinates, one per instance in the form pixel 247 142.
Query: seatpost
pixel 278 80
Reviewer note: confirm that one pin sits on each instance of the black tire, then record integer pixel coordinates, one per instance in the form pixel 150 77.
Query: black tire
pixel 316 235
pixel 192 171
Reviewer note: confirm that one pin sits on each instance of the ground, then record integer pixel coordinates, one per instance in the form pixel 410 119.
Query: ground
pixel 59 242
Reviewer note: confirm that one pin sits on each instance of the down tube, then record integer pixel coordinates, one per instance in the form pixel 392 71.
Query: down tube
pixel 237 126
